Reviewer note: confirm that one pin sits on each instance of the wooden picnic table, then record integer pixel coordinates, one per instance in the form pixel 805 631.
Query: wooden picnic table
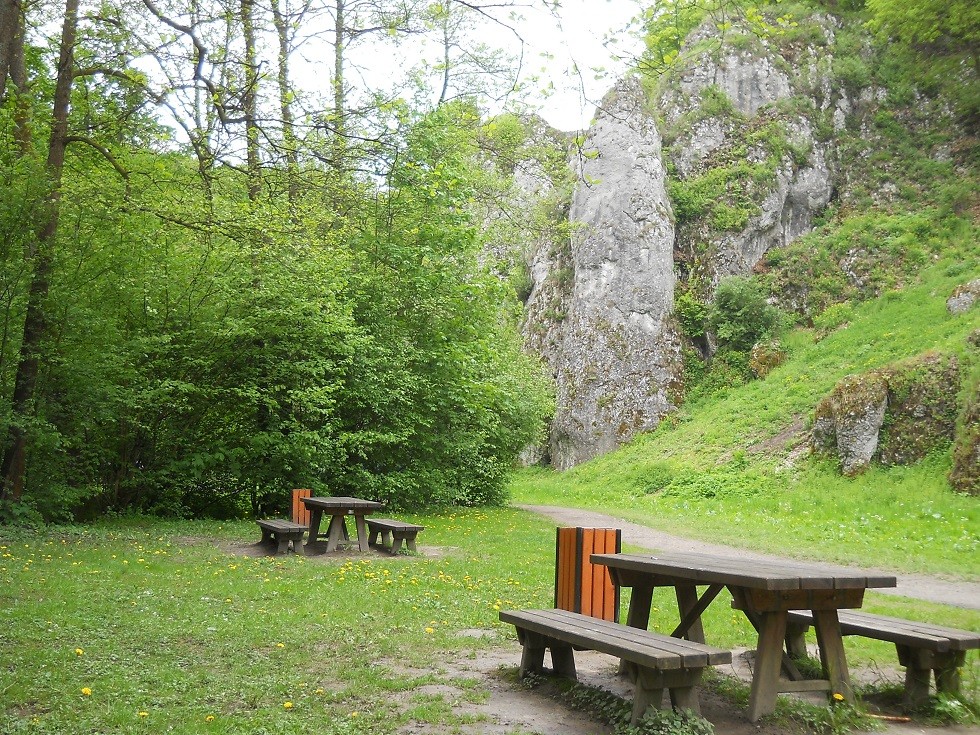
pixel 336 534
pixel 765 591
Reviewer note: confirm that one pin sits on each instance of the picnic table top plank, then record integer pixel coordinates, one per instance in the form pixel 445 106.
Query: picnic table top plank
pixel 341 502
pixel 773 575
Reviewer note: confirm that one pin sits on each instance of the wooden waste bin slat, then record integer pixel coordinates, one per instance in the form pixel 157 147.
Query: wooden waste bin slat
pixel 301 513
pixel 581 586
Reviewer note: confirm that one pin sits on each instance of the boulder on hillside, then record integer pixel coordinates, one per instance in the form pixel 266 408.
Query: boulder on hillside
pixel 964 297
pixel 895 415
pixel 847 421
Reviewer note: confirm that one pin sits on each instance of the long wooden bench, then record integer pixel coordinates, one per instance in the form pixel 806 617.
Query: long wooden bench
pixel 922 647
pixel 280 533
pixel 391 534
pixel 656 662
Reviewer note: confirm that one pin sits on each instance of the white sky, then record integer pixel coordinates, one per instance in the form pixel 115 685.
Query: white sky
pixel 578 40
pixel 574 38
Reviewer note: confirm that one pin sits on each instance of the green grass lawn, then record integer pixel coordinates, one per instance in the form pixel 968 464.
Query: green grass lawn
pixel 144 626
pixel 149 626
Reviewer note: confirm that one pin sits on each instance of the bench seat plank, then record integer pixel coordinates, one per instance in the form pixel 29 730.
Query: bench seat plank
pixel 641 646
pixel 923 648
pixel 389 534
pixel 897 630
pixel 280 533
pixel 656 661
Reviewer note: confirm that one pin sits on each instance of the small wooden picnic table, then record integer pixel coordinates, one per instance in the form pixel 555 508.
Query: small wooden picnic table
pixel 336 534
pixel 765 591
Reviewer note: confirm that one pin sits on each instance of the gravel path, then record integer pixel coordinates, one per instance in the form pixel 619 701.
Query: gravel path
pixel 959 593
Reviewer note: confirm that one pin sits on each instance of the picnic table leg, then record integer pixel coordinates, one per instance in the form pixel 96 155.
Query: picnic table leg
pixel 687 600
pixel 831 643
pixel 362 539
pixel 641 600
pixel 638 616
pixel 312 544
pixel 768 661
pixel 337 532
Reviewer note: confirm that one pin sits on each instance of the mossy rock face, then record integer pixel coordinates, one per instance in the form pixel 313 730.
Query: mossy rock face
pixel 922 408
pixel 895 415
pixel 848 420
pixel 964 297
pixel 965 475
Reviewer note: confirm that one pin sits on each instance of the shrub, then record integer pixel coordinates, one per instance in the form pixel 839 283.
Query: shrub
pixel 691 314
pixel 765 356
pixel 740 316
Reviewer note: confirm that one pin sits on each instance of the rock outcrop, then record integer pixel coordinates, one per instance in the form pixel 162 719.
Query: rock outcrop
pixel 963 298
pixel 605 299
pixel 645 214
pixel 895 415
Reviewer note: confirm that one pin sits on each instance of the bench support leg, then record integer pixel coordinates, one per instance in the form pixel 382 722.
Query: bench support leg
pixel 532 655
pixel 563 659
pixel 919 664
pixel 649 690
pixel 947 670
pixel 396 542
pixel 796 640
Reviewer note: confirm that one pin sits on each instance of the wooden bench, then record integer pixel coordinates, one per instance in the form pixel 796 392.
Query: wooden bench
pixel 922 647
pixel 656 662
pixel 281 533
pixel 392 534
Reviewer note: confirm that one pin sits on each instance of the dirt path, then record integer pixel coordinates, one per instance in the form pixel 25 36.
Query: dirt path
pixel 920 587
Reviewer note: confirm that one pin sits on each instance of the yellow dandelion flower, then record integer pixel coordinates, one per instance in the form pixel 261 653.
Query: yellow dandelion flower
pixel 280 645
pixel 353 714
pixel 79 651
pixel 430 630
pixel 143 714
pixel 86 691
pixel 287 705
pixel 838 697
pixel 318 691
pixel 209 718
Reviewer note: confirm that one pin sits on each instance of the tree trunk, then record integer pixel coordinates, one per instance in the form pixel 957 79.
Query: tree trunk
pixel 339 101
pixel 11 33
pixel 249 99
pixel 289 143
pixel 42 255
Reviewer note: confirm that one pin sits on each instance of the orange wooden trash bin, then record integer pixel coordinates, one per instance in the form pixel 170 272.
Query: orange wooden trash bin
pixel 301 513
pixel 580 585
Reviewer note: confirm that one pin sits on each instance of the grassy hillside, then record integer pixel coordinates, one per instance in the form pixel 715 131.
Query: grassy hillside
pixel 735 467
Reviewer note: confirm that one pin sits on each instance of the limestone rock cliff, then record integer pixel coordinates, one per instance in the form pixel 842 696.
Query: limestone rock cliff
pixel 678 187
pixel 599 310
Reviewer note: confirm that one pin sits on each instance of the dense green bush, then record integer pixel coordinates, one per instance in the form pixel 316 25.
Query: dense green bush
pixel 740 315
